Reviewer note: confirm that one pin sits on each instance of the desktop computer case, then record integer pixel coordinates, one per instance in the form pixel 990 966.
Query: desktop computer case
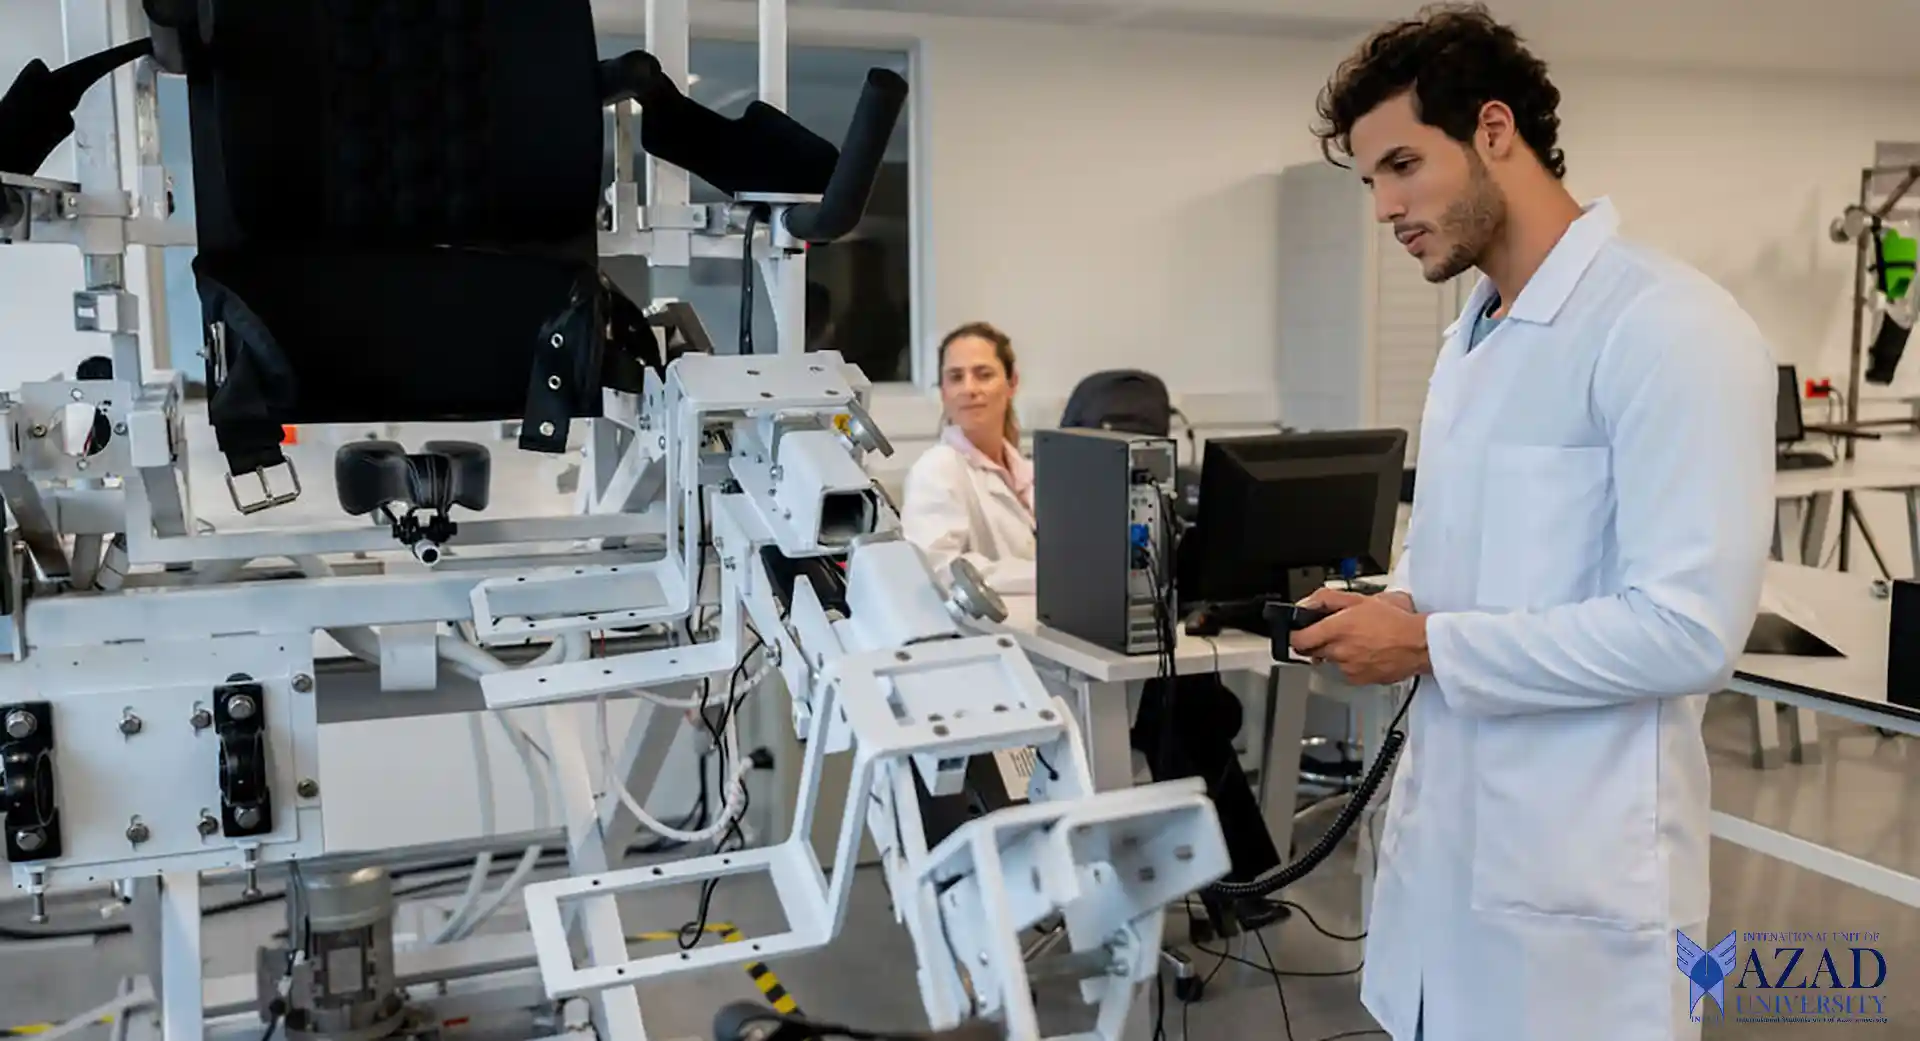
pixel 1101 504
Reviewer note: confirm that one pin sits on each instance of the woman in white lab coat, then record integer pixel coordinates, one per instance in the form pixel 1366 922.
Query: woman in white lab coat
pixel 971 495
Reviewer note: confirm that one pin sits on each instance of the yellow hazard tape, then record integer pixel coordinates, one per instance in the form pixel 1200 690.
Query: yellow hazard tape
pixel 31 1029
pixel 763 977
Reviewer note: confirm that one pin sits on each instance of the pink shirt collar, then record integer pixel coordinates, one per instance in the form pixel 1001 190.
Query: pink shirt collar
pixel 1019 478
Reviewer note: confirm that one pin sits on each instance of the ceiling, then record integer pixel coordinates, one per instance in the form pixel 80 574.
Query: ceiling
pixel 1871 38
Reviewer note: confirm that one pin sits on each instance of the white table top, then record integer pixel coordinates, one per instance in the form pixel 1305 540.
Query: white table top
pixel 1231 651
pixel 1840 608
pixel 1847 476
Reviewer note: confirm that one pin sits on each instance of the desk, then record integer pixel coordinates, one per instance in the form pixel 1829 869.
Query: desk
pixel 1840 608
pixel 1103 687
pixel 1804 499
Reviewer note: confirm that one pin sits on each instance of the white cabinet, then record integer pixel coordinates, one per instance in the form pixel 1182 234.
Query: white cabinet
pixel 1360 326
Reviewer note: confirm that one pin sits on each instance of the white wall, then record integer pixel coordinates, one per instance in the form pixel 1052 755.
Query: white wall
pixel 1110 197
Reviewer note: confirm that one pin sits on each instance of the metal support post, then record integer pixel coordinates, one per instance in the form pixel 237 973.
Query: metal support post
pixel 182 1017
pixel 616 1011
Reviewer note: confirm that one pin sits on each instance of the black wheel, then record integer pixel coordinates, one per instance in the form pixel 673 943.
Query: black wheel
pixel 1189 990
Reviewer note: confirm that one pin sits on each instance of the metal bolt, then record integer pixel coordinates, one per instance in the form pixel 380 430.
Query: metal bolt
pixel 130 724
pixel 983 957
pixel 308 788
pixel 553 383
pixel 80 464
pixel 247 816
pixel 240 706
pixel 137 833
pixel 120 428
pixel 303 684
pixel 777 472
pixel 77 394
pixel 202 719
pixel 39 430
pixel 208 825
pixel 557 340
pixel 30 840
pixel 21 724
pixel 546 430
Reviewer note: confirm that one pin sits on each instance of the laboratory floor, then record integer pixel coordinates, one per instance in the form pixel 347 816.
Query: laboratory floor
pixel 1857 799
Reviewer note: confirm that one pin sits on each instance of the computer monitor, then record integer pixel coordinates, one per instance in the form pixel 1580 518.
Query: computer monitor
pixel 1789 424
pixel 1279 512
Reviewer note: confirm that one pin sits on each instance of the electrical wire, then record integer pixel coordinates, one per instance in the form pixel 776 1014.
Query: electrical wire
pixel 721 732
pixel 746 280
pixel 1362 795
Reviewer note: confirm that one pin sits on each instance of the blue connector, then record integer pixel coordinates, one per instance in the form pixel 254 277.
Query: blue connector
pixel 1139 535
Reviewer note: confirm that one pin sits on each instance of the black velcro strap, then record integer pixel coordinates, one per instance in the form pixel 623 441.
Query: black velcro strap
pixel 554 378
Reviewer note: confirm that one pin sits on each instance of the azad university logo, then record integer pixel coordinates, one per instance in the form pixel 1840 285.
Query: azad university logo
pixel 1706 971
pixel 1787 977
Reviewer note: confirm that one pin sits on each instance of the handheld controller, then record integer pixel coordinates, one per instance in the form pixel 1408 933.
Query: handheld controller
pixel 1285 619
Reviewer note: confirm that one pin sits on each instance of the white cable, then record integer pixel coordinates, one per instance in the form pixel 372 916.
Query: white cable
pixel 528 861
pixel 735 786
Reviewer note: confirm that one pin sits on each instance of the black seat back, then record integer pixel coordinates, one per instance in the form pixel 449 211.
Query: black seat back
pixel 397 215
pixel 1129 400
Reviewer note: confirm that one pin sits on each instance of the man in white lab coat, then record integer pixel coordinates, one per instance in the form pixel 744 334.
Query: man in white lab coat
pixel 1582 567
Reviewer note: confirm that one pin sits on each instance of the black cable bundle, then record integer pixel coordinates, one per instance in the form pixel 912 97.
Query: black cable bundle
pixel 696 930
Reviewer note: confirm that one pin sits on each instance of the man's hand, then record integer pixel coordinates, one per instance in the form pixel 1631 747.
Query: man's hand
pixel 1373 639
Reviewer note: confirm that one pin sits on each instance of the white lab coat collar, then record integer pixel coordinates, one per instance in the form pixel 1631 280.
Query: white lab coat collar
pixel 1547 291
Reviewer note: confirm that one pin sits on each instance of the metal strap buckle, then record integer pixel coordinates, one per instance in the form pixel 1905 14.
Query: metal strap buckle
pixel 268 497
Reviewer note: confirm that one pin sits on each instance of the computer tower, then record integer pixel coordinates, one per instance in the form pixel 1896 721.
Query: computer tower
pixel 1903 645
pixel 1104 541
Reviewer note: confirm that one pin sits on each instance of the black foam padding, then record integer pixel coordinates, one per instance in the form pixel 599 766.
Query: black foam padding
pixel 861 154
pixel 764 150
pixel 372 474
pixel 36 113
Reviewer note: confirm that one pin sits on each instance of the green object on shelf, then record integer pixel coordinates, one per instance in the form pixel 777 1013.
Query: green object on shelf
pixel 1897 256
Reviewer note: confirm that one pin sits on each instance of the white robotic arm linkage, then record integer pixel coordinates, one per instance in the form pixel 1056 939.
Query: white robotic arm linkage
pixel 890 676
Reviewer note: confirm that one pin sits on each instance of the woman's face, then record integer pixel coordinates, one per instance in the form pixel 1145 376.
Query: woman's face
pixel 975 389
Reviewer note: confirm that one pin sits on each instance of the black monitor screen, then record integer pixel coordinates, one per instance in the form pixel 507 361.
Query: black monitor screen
pixel 1272 505
pixel 1788 425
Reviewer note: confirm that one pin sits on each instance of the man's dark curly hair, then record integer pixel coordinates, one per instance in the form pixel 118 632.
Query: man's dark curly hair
pixel 1455 58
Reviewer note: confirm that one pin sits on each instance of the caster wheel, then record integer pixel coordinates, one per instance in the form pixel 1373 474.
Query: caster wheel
pixel 1189 990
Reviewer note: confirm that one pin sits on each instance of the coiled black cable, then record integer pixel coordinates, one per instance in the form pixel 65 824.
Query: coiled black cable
pixel 1389 752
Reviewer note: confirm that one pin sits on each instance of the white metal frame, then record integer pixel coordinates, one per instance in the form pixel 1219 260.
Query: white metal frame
pixel 897 684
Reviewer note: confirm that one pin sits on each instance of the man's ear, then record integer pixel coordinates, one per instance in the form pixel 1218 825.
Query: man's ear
pixel 1495 137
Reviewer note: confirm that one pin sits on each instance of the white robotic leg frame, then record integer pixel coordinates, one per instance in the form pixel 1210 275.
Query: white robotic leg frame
pixel 899 685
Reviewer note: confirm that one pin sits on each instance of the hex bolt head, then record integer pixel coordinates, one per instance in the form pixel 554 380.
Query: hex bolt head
pixel 120 428
pixel 303 684
pixel 30 840
pixel 308 788
pixel 246 817
pixel 202 719
pixel 138 833
pixel 207 826
pixel 21 724
pixel 241 707
pixel 130 724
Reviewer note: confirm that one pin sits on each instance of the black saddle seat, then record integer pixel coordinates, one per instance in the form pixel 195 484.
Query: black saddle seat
pixel 371 474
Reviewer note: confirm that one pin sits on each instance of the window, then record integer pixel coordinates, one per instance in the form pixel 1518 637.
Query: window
pixel 859 290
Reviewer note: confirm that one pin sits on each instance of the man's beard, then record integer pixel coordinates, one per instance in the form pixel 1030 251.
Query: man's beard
pixel 1471 223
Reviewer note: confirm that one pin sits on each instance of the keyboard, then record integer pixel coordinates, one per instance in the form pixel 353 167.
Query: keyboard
pixel 1801 461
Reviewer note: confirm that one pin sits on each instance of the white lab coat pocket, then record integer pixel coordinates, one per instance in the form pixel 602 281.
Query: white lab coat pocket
pixel 1543 520
pixel 1566 815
